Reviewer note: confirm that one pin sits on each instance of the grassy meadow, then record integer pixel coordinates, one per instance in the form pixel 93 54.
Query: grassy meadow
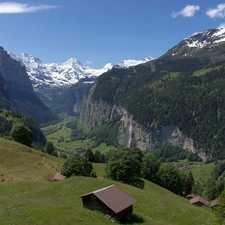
pixel 203 172
pixel 31 198
pixel 60 135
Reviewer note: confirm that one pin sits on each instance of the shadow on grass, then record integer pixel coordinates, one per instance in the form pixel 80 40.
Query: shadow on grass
pixel 135 219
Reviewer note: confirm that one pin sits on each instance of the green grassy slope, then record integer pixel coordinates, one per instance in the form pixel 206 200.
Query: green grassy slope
pixel 203 173
pixel 21 163
pixel 60 135
pixel 31 199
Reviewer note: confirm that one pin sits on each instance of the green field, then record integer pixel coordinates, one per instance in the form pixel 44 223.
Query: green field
pixel 30 198
pixel 200 172
pixel 60 135
pixel 203 71
pixel 19 163
pixel 203 172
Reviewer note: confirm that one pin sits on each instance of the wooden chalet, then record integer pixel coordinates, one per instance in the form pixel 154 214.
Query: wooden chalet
pixel 199 201
pixel 59 176
pixel 111 201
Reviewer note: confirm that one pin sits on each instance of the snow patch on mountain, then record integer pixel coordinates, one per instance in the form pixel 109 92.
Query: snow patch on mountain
pixel 64 74
pixel 205 38
pixel 128 63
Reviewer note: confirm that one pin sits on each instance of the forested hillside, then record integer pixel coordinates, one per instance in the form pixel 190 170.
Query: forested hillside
pixel 8 119
pixel 70 100
pixel 186 92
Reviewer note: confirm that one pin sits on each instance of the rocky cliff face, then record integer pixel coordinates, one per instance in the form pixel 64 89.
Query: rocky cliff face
pixel 130 133
pixel 4 94
pixel 22 96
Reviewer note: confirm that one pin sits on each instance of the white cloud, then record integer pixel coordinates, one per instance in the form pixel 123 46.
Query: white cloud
pixel 188 11
pixel 222 25
pixel 218 12
pixel 14 7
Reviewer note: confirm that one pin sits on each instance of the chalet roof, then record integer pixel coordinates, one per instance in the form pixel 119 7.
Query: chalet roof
pixel 199 199
pixel 113 197
pixel 59 176
pixel 191 196
pixel 214 203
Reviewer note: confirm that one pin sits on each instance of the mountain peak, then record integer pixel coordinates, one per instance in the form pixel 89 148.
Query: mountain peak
pixel 72 62
pixel 64 74
pixel 108 66
pixel 208 43
pixel 205 38
pixel 131 62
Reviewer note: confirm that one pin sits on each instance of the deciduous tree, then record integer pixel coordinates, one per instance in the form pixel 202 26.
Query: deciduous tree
pixel 77 165
pixel 21 134
pixel 169 178
pixel 49 148
pixel 125 166
pixel 150 167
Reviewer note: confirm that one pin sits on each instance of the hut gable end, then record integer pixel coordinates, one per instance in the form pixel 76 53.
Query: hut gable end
pixel 199 201
pixel 108 199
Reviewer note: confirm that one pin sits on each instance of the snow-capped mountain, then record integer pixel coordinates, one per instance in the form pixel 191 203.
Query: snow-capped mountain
pixel 128 63
pixel 207 37
pixel 64 74
pixel 208 43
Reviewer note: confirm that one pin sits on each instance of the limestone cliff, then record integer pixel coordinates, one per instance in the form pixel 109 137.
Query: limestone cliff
pixel 130 133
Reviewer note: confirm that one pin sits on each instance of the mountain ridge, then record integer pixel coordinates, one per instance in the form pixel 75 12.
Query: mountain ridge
pixel 67 73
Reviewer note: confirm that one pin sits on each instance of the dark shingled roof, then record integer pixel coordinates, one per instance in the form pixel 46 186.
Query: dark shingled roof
pixel 113 197
pixel 199 199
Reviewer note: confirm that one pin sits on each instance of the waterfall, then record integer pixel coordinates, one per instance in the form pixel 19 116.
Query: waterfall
pixel 130 129
pixel 112 111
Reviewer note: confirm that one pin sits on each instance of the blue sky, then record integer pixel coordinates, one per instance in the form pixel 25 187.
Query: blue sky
pixel 100 31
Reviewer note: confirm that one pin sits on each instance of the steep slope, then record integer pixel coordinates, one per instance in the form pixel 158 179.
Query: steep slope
pixel 4 94
pixel 70 101
pixel 21 163
pixel 172 99
pixel 24 99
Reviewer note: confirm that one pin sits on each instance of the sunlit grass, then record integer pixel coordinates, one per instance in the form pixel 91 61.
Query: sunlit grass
pixel 203 71
pixel 31 199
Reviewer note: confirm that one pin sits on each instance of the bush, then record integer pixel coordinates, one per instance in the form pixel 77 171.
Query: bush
pixel 21 134
pixel 49 148
pixel 77 165
pixel 125 166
